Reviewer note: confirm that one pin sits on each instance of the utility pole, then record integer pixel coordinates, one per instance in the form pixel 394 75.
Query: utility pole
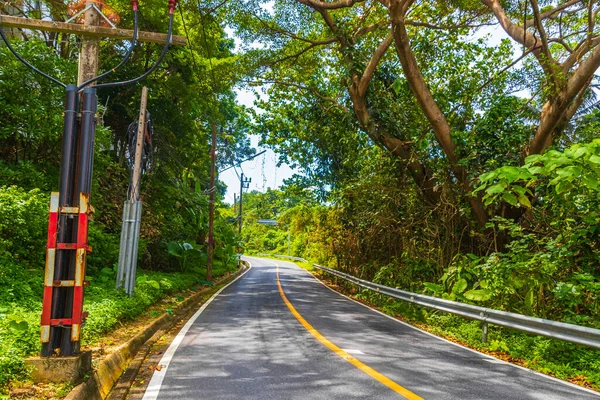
pixel 244 184
pixel 211 203
pixel 67 246
pixel 132 210
pixel 90 48
pixel 234 203
pixel 139 146
pixel 241 202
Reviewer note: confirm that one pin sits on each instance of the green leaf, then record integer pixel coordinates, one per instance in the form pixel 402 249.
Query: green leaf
pixel 524 201
pixel 488 176
pixel 499 345
pixel 594 159
pixel 478 294
pixel 510 173
pixel 590 181
pixel 510 198
pixel 571 171
pixel 434 287
pixel 529 300
pixel 18 325
pixel 154 284
pixel 563 186
pixel 536 170
pixel 397 85
pixel 449 296
pixel 519 189
pixel 175 249
pixel 460 286
pixel 581 151
pixel 497 188
pixel 532 159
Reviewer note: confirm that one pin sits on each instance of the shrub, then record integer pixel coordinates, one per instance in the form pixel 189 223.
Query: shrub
pixel 23 224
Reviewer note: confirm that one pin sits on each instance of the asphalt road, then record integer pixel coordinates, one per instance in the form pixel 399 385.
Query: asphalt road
pixel 247 344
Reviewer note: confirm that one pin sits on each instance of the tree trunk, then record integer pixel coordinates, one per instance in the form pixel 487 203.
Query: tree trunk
pixel 432 112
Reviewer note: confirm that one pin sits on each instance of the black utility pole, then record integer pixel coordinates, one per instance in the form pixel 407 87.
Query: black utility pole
pixel 67 246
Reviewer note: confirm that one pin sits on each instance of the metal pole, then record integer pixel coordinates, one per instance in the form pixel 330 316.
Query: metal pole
pixel 122 271
pixel 65 188
pixel 85 153
pixel 241 201
pixel 135 234
pixel 86 142
pixel 211 203
pixel 484 332
pixel 129 260
pixel 289 245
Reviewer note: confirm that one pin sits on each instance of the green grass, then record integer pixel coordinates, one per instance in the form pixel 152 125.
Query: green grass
pixel 306 266
pixel 20 326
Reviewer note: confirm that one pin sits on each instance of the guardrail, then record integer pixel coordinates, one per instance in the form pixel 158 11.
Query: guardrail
pixel 543 327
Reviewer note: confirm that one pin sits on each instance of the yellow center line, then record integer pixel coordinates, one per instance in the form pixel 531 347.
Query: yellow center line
pixel 363 367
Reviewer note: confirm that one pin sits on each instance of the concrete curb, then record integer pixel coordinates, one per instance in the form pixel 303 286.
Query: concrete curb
pixel 108 372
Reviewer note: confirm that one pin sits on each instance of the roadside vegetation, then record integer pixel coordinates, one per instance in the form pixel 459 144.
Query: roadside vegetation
pixel 174 188
pixel 432 157
pixel 437 158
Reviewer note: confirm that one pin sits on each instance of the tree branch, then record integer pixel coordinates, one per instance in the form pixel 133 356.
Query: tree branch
pixel 367 75
pixel 294 56
pixel 313 90
pixel 550 13
pixel 522 36
pixel 324 5
pixel 292 35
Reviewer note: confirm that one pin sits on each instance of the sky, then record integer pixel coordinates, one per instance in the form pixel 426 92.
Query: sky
pixel 262 170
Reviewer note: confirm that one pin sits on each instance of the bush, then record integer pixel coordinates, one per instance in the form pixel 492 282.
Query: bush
pixel 105 249
pixel 23 224
pixel 19 284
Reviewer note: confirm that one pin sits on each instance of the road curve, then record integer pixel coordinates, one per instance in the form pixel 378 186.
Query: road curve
pixel 249 344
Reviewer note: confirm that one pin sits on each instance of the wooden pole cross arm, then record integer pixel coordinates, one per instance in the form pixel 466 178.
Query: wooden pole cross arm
pixel 8 21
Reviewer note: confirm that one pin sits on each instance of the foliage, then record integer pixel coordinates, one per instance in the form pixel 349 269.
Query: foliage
pixel 186 253
pixel 20 311
pixel 190 89
pixel 23 225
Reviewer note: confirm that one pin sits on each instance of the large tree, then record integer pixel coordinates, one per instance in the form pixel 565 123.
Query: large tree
pixel 417 77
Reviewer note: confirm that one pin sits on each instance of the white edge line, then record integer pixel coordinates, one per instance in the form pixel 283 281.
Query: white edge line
pixel 572 385
pixel 158 376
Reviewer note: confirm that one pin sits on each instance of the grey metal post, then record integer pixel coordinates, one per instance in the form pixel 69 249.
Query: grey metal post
pixel 135 235
pixel 129 243
pixel 121 272
pixel 484 332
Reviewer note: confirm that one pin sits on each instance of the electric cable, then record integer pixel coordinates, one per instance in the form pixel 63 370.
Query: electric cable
pixel 5 39
pixel 149 71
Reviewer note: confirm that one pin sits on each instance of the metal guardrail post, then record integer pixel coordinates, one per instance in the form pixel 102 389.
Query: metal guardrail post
pixel 484 332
